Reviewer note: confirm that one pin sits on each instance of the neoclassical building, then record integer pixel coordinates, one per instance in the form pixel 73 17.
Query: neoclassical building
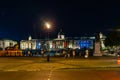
pixel 61 42
pixel 4 43
pixel 31 44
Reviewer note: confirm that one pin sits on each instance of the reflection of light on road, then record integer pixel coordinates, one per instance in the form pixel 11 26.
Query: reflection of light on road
pixel 49 76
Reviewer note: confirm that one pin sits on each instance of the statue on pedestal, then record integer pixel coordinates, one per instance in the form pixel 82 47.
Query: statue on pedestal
pixel 97 51
pixel 97 37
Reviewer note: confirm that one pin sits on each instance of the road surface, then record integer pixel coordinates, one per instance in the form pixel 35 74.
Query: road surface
pixel 32 68
pixel 61 75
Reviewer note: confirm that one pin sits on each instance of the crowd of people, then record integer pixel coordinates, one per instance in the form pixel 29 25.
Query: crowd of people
pixel 76 52
pixel 66 53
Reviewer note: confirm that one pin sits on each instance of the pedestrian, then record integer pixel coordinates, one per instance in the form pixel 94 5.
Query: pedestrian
pixel 68 55
pixel 73 53
pixel 79 53
pixel 86 53
pixel 65 53
pixel 29 53
pixel 42 53
pixel 65 56
pixel 48 57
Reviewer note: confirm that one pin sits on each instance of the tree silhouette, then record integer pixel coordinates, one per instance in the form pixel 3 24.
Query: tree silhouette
pixel 113 38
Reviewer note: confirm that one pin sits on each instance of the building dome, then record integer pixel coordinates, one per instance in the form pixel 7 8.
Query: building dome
pixel 29 38
pixel 61 35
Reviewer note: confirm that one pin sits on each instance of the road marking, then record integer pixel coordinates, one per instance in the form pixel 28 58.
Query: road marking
pixel 15 70
pixel 33 70
pixel 48 79
pixel 50 74
pixel 9 70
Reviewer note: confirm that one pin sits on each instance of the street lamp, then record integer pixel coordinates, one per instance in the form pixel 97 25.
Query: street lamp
pixel 48 27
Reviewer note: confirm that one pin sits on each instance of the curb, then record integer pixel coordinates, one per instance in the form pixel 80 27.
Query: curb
pixel 89 68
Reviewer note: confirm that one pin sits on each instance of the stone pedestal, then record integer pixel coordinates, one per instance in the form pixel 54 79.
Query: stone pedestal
pixel 97 51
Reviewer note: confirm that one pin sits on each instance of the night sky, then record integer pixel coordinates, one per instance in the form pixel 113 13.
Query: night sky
pixel 19 19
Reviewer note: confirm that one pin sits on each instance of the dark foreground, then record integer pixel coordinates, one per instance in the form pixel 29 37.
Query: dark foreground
pixel 61 75
pixel 36 68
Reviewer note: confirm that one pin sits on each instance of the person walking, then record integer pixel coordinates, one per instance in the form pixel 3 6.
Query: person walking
pixel 65 54
pixel 73 53
pixel 86 53
pixel 29 53
pixel 42 53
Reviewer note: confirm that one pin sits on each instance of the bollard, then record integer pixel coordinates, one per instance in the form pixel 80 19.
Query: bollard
pixel 118 60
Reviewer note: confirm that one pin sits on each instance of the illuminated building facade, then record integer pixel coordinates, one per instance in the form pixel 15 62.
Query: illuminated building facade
pixel 4 43
pixel 73 43
pixel 31 44
pixel 61 42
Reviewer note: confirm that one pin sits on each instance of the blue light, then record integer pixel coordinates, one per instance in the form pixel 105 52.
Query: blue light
pixel 86 43
pixel 38 45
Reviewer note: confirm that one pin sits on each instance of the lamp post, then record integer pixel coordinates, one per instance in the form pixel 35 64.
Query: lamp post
pixel 48 27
